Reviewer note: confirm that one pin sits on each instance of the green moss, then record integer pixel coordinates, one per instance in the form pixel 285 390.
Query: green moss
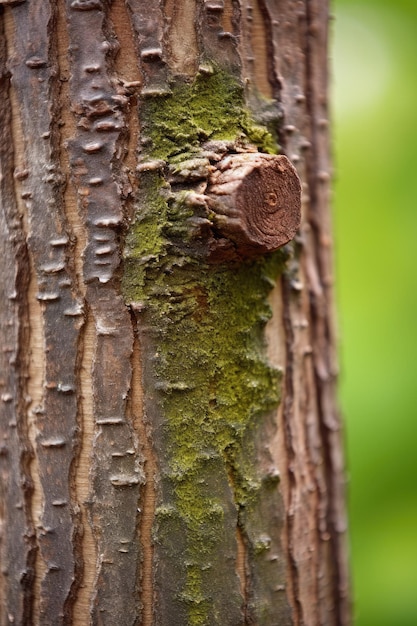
pixel 211 107
pixel 206 324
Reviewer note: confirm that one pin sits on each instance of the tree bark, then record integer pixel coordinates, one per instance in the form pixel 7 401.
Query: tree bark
pixel 170 446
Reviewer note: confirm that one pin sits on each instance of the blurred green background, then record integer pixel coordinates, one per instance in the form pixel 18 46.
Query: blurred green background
pixel 374 57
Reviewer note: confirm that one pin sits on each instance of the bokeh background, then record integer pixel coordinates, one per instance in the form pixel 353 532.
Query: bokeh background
pixel 374 58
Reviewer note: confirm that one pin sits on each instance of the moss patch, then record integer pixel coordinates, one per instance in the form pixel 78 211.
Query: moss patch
pixel 206 326
pixel 211 107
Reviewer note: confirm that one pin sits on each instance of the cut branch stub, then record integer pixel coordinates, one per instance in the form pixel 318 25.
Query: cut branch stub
pixel 255 200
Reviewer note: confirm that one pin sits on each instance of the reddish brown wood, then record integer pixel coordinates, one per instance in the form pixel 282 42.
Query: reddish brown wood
pixel 256 201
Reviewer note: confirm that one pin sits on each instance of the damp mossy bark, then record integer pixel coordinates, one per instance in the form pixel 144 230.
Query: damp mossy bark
pixel 208 382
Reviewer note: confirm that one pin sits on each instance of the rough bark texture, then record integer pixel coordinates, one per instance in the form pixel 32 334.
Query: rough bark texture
pixel 169 438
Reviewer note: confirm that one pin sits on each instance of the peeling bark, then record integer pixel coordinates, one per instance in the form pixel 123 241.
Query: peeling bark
pixel 170 447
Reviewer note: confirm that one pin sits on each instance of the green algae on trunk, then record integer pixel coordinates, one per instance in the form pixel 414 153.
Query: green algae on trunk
pixel 208 384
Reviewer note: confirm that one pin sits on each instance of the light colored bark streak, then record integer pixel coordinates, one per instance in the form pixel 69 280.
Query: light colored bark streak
pixel 67 131
pixel 228 17
pixel 275 341
pixel 181 36
pixel 274 330
pixel 148 494
pixel 241 569
pixel 260 46
pixel 36 378
pixel 82 604
pixel 254 50
pixel 125 64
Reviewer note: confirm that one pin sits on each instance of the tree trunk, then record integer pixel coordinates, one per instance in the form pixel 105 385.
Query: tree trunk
pixel 170 442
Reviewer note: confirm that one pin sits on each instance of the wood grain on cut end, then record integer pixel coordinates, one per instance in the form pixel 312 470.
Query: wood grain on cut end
pixel 256 201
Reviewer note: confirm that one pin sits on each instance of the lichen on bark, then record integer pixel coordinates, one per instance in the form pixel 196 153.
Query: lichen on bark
pixel 208 384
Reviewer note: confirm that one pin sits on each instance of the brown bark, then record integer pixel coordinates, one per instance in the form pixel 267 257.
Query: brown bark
pixel 87 480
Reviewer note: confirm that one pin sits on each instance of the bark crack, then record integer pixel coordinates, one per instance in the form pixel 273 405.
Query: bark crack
pixel 82 478
pixel 293 589
pixel 147 499
pixel 242 571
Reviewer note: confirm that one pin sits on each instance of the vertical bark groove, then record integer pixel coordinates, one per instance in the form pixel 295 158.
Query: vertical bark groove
pixel 241 570
pixel 147 500
pixel 88 546
pixel 36 380
pixel 181 36
pixel 255 42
